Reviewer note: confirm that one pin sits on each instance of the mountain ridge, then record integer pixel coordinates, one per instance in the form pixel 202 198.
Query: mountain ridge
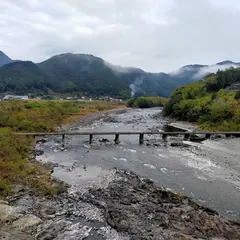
pixel 91 75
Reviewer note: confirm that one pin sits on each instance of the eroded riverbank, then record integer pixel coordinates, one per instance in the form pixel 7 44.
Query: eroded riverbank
pixel 208 172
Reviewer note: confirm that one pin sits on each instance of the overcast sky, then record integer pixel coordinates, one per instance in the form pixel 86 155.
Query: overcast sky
pixel 156 35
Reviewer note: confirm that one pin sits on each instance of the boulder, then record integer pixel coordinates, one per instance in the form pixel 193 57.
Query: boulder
pixel 26 222
pixel 8 213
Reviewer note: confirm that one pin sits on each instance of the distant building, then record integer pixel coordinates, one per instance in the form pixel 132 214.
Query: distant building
pixel 7 97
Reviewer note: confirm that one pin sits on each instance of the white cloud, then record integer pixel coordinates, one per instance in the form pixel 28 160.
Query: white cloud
pixel 152 34
pixel 213 69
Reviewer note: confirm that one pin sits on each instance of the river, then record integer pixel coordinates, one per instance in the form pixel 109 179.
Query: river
pixel 208 172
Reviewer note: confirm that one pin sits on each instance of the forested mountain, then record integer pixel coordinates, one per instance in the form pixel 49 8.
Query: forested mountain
pixel 209 101
pixel 90 75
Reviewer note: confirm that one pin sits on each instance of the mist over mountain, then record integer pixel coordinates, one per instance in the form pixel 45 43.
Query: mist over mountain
pixel 89 75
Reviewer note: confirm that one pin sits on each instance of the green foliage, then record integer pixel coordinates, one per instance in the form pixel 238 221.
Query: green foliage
pixel 88 75
pixel 32 105
pixel 222 80
pixel 237 95
pixel 131 102
pixel 147 102
pixel 124 94
pixel 207 103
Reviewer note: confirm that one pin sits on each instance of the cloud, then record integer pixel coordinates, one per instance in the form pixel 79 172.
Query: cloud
pixel 150 34
pixel 212 69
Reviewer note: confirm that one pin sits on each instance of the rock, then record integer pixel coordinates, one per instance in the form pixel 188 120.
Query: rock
pixel 47 212
pixel 3 202
pixel 42 140
pixel 50 229
pixel 9 234
pixel 8 213
pixel 179 144
pixel 103 140
pixel 26 222
pixel 50 211
pixel 198 138
pixel 39 152
pixel 217 136
pixel 56 165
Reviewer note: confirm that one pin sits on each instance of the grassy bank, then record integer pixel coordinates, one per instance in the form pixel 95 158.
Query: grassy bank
pixel 34 116
pixel 147 102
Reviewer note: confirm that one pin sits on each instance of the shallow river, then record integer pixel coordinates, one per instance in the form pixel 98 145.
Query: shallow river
pixel 208 172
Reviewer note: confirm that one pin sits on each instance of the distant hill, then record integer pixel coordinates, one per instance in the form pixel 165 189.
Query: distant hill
pixel 4 59
pixel 87 74
pixel 84 73
pixel 227 62
pixel 213 102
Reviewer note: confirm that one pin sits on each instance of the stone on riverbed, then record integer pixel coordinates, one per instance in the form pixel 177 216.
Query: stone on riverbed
pixel 26 222
pixel 6 234
pixel 179 144
pixel 8 213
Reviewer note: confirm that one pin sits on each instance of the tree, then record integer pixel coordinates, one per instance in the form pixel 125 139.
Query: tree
pixel 237 95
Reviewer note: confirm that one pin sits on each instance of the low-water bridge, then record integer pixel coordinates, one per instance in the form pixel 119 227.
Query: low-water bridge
pixel 187 135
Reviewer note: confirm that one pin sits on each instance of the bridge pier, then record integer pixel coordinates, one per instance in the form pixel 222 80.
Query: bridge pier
pixel 186 136
pixel 90 138
pixel 141 138
pixel 116 140
pixel 228 135
pixel 208 136
pixel 164 137
pixel 63 141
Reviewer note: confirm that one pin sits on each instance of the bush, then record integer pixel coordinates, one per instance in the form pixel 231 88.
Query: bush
pixel 147 102
pixel 237 95
pixel 131 102
pixel 32 105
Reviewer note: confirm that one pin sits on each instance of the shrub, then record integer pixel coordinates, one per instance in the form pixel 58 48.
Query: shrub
pixel 147 102
pixel 237 95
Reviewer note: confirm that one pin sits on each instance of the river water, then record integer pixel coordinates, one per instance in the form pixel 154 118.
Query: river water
pixel 208 172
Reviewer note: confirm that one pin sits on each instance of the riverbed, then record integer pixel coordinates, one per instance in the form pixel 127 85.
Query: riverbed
pixel 208 172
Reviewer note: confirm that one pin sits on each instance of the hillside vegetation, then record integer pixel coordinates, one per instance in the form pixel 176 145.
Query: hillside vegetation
pixel 82 74
pixel 34 116
pixel 208 103
pixel 147 102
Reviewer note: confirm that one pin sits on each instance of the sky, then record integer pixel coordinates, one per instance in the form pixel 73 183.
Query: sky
pixel 155 35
